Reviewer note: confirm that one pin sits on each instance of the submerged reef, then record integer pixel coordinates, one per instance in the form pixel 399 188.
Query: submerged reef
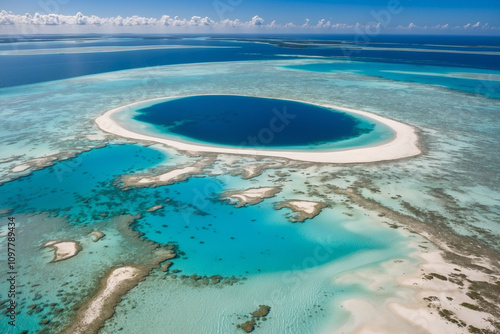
pixel 250 325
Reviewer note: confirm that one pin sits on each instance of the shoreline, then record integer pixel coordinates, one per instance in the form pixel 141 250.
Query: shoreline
pixel 403 145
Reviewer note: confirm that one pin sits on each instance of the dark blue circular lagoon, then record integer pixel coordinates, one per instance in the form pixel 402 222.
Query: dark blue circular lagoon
pixel 244 121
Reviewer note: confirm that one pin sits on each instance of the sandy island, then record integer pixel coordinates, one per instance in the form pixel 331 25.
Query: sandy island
pixel 63 250
pixel 249 196
pixel 101 307
pixel 404 144
pixel 170 177
pixel 303 209
pixel 117 282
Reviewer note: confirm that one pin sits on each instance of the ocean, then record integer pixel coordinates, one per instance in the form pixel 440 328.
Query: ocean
pixel 62 178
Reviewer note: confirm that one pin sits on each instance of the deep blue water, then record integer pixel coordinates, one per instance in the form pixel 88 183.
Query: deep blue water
pixel 19 70
pixel 252 122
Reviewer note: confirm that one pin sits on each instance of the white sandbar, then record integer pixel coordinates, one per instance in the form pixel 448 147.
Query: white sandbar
pixel 20 168
pixel 404 144
pixel 250 196
pixel 303 209
pixel 305 206
pixel 169 176
pixel 63 250
pixel 113 282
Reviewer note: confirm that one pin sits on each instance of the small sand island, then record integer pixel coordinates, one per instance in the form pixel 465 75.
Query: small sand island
pixel 116 283
pixel 303 209
pixel 250 196
pixel 169 177
pixel 403 145
pixel 63 250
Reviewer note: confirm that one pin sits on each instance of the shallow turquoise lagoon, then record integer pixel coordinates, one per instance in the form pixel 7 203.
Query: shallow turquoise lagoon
pixel 249 240
pixel 82 187
pixel 216 237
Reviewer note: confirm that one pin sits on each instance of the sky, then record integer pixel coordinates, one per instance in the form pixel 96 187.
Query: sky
pixel 418 16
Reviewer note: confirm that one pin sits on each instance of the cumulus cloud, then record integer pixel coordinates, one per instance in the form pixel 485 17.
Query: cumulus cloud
pixel 13 22
pixel 257 21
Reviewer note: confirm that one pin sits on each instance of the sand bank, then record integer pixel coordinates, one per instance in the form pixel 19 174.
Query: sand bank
pixel 303 209
pixel 169 177
pixel 443 299
pixel 63 249
pixel 250 196
pixel 453 290
pixel 434 297
pixel 114 285
pixel 403 145
pixel 117 282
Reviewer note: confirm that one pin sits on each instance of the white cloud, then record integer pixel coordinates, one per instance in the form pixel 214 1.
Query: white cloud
pixel 257 21
pixel 27 23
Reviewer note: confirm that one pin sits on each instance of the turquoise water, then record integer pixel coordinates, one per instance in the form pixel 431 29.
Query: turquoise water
pixel 251 122
pixel 221 239
pixel 456 180
pixel 483 82
pixel 216 237
pixel 82 187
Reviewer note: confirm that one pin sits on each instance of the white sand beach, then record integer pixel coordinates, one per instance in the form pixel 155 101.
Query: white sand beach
pixel 404 144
